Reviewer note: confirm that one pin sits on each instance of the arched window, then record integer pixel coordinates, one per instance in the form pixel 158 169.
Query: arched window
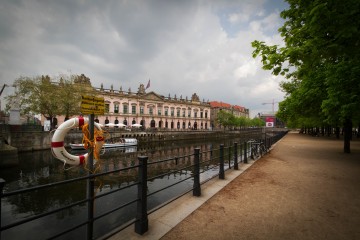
pixel 178 125
pixel 195 125
pixel 160 124
pixel 166 124
pixel 125 122
pixel 172 124
pixel 184 125
pixel 152 123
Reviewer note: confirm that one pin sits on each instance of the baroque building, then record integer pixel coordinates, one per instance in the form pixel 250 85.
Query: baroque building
pixel 152 110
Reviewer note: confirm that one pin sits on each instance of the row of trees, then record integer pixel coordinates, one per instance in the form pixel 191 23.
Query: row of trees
pixel 49 96
pixel 229 120
pixel 321 62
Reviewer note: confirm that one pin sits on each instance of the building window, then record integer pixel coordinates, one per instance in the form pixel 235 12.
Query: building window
pixel 201 114
pixel 151 111
pixel 178 112
pixel 195 114
pixel 206 115
pixel 183 114
pixel 166 111
pixel 172 111
pixel 133 109
pixel 116 108
pixel 189 113
pixel 125 109
pixel 141 109
pixel 159 112
pixel 107 107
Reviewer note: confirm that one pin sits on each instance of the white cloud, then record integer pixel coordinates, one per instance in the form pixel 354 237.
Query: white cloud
pixel 182 46
pixel 247 69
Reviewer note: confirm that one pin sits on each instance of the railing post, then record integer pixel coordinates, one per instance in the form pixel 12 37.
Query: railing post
pixel 266 141
pixel 245 152
pixel 90 183
pixel 197 187
pixel 251 150
pixel 229 157
pixel 141 224
pixel 241 154
pixel 221 169
pixel 236 166
pixel 2 184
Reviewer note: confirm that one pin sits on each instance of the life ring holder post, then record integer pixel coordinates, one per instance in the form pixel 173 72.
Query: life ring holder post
pixel 90 193
pixel 91 153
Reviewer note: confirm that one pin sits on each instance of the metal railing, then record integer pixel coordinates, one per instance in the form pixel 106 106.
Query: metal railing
pixel 200 163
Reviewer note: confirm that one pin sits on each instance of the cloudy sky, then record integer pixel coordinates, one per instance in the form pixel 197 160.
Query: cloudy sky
pixel 183 47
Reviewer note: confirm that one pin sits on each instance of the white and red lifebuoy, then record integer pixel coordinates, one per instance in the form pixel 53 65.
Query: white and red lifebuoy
pixel 57 141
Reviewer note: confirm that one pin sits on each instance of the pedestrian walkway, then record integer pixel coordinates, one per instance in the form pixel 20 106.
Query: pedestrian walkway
pixel 306 188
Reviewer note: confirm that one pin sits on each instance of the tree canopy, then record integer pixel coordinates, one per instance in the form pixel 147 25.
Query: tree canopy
pixel 227 119
pixel 320 61
pixel 49 96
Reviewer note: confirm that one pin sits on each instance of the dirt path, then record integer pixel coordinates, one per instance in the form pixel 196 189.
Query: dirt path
pixel 306 188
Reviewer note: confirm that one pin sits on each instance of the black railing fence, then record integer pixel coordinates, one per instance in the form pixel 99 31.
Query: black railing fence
pixel 194 170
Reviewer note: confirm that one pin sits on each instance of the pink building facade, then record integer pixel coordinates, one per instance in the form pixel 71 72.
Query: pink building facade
pixel 152 110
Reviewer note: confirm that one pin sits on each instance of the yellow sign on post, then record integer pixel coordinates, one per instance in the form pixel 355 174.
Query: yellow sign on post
pixel 92 105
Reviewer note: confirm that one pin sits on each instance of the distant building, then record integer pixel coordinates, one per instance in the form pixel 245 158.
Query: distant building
pixel 271 120
pixel 152 110
pixel 236 110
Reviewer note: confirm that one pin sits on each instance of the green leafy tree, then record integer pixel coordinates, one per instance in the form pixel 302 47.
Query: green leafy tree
pixel 36 95
pixel 224 118
pixel 321 61
pixel 49 97
pixel 71 89
pixel 257 122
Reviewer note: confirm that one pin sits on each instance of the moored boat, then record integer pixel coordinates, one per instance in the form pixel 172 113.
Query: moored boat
pixel 123 142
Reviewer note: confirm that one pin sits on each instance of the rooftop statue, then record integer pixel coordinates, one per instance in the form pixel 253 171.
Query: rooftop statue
pixel 141 89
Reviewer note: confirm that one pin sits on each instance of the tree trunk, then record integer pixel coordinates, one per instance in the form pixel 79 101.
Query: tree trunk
pixel 337 131
pixel 347 135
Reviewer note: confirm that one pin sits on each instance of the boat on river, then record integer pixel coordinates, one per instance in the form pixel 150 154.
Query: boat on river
pixel 122 142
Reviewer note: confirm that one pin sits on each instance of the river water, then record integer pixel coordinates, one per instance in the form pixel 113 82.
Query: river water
pixel 38 168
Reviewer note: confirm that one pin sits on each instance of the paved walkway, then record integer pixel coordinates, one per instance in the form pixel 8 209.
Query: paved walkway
pixel 306 188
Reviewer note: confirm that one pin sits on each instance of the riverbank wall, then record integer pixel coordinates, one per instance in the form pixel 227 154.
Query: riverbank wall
pixel 33 141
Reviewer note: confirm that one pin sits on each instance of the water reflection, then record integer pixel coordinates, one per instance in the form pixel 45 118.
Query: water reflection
pixel 37 168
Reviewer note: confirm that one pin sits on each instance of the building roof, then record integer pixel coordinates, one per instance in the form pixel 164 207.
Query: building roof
pixel 239 108
pixel 215 104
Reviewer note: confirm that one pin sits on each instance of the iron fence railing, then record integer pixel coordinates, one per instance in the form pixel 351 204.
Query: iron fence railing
pixel 198 164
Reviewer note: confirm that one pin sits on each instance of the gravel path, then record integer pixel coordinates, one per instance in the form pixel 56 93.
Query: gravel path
pixel 306 188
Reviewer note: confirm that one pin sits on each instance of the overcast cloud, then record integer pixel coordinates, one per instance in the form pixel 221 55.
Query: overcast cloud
pixel 183 47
